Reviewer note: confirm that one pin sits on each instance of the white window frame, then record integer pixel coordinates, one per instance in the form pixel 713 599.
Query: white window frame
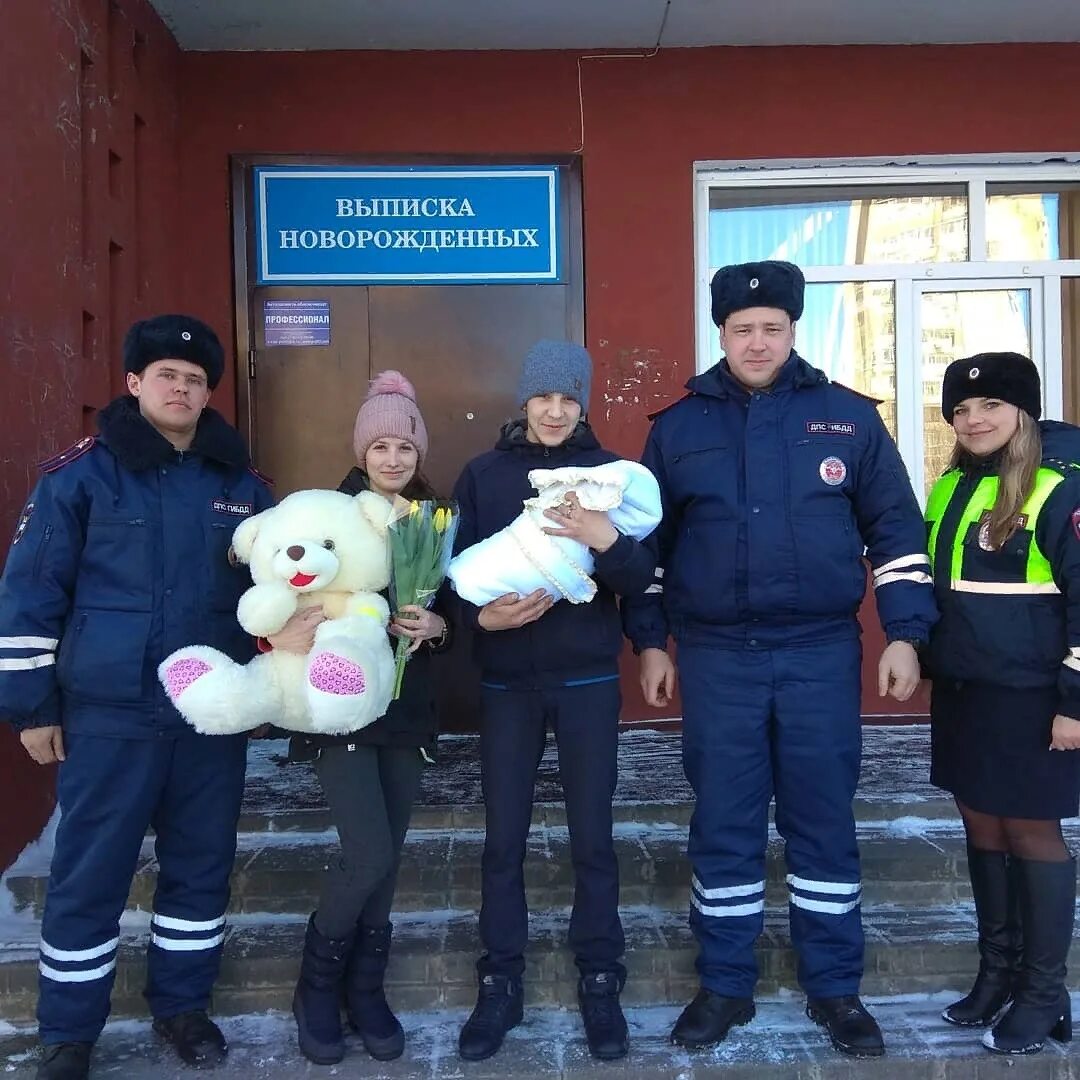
pixel 975 172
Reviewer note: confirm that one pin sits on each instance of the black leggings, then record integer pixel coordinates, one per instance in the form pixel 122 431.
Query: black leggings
pixel 370 791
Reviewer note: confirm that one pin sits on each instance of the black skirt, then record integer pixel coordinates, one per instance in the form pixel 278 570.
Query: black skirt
pixel 990 747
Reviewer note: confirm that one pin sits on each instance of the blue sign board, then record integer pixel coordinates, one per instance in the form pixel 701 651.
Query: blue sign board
pixel 407 226
pixel 296 322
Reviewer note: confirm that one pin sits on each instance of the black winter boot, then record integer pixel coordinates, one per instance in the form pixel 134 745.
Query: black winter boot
pixel 365 1000
pixel 195 1037
pixel 852 1030
pixel 995 887
pixel 708 1019
pixel 499 1007
pixel 317 1001
pixel 605 1025
pixel 65 1061
pixel 1041 1007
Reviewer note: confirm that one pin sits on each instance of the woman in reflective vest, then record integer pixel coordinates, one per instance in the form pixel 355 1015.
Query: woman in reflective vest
pixel 1004 543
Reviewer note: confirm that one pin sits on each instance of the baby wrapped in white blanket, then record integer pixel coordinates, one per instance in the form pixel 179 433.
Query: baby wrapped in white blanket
pixel 522 557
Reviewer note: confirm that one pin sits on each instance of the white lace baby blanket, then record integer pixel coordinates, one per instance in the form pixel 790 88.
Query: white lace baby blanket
pixel 522 557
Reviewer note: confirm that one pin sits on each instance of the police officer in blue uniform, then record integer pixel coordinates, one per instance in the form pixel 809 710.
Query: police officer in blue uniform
pixel 121 555
pixel 774 480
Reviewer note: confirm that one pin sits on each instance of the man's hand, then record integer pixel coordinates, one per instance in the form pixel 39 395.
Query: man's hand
pixel 298 634
pixel 898 671
pixel 657 674
pixel 510 611
pixel 1065 734
pixel 45 745
pixel 592 528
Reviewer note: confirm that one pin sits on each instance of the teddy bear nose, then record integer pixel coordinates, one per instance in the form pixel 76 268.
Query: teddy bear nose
pixel 296 552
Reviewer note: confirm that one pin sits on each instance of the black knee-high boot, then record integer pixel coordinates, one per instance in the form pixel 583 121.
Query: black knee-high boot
pixel 365 997
pixel 1041 1007
pixel 317 1001
pixel 995 887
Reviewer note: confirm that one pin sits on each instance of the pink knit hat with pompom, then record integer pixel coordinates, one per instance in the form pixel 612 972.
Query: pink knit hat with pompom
pixel 389 411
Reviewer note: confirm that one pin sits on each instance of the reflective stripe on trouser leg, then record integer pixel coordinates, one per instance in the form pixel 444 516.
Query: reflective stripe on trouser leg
pixel 817 751
pixel 727 701
pixel 106 789
pixel 195 845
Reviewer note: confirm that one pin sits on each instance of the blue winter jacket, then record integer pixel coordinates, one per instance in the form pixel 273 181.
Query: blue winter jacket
pixel 570 643
pixel 120 557
pixel 769 501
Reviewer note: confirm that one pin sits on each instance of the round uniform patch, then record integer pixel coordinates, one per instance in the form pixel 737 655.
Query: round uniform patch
pixel 833 471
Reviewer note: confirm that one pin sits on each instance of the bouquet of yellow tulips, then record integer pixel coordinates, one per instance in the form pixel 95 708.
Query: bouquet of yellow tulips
pixel 421 546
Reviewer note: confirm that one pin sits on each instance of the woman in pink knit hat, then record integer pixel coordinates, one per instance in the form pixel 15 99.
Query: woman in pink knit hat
pixel 370 777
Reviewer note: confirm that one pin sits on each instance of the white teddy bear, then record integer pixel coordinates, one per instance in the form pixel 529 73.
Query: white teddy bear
pixel 315 548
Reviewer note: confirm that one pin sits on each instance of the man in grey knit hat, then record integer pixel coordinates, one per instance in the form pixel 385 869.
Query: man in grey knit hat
pixel 548 664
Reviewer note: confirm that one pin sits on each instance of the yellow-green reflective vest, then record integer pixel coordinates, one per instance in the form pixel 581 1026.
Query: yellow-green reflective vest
pixel 1037 576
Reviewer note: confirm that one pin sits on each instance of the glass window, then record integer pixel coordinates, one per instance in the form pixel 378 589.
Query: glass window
pixel 956 324
pixel 1070 347
pixel 849 331
pixel 1029 222
pixel 839 226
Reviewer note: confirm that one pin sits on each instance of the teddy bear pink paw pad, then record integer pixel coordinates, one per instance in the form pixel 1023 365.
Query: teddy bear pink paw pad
pixel 335 675
pixel 179 676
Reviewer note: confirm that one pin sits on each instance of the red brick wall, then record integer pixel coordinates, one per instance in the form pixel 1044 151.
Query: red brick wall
pixel 88 191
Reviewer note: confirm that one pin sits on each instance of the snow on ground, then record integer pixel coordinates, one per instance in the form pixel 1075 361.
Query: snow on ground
pixel 549 1043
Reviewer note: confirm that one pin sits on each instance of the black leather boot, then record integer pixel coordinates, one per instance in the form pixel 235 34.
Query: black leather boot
pixel 365 998
pixel 708 1019
pixel 499 1007
pixel 195 1037
pixel 317 1001
pixel 1041 1007
pixel 852 1030
pixel 65 1061
pixel 605 1025
pixel 996 890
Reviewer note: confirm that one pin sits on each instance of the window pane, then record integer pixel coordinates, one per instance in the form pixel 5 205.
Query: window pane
pixel 1070 347
pixel 849 331
pixel 839 226
pixel 1028 222
pixel 955 324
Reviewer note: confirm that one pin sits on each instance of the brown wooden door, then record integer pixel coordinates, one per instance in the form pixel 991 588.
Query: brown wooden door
pixel 461 346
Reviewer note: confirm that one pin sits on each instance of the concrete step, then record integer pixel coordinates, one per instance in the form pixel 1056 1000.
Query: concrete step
pixel 894 783
pixel 908 861
pixel 780 1044
pixel 909 950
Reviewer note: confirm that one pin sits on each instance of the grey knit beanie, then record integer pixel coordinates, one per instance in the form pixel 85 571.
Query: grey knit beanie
pixel 556 367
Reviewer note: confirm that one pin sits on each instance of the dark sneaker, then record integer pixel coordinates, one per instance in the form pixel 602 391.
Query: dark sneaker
pixel 708 1019
pixel 605 1025
pixel 852 1030
pixel 195 1037
pixel 498 1009
pixel 65 1061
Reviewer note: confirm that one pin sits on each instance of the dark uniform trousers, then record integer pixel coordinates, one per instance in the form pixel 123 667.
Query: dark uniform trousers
pixel 585 720
pixel 759 722
pixel 188 787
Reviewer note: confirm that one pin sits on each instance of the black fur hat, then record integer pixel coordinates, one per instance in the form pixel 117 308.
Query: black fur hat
pixel 174 337
pixel 1004 375
pixel 771 283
